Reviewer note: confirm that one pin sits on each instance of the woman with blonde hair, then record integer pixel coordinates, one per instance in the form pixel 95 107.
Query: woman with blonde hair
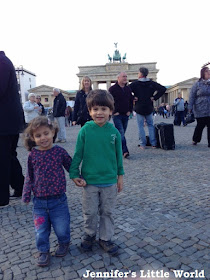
pixel 81 114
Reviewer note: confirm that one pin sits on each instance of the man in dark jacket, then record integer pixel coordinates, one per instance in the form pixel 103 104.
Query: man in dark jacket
pixel 123 103
pixel 144 90
pixel 59 107
pixel 11 123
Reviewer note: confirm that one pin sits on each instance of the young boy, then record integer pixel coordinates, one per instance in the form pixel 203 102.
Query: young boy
pixel 99 149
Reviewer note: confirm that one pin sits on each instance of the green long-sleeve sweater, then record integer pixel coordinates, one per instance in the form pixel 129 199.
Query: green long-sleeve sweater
pixel 100 151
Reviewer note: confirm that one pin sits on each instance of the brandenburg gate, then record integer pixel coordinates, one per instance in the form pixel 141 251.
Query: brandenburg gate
pixel 100 74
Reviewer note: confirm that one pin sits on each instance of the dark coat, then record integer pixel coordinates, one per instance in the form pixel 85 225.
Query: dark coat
pixel 42 107
pixel 11 111
pixel 81 114
pixel 144 90
pixel 59 106
pixel 123 99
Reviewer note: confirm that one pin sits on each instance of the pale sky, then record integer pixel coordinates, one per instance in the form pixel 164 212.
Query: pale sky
pixel 52 38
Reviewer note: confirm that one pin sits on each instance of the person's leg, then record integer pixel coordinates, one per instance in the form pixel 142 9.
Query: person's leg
pixel 62 127
pixel 208 130
pixel 142 136
pixel 66 121
pixel 59 129
pixel 42 224
pixel 60 218
pixel 198 130
pixel 176 117
pixel 119 124
pixel 125 125
pixel 182 117
pixel 90 203
pixel 4 169
pixel 16 174
pixel 179 117
pixel 151 129
pixel 108 197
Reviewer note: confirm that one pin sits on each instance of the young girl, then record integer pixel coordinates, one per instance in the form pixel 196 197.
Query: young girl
pixel 46 179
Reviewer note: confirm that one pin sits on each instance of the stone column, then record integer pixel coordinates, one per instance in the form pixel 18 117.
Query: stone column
pixel 50 100
pixel 95 85
pixel 108 85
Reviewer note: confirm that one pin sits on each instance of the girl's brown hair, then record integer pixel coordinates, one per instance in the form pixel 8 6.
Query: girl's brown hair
pixel 32 127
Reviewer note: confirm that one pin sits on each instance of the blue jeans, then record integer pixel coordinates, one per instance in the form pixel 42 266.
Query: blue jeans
pixel 121 123
pixel 179 117
pixel 51 211
pixel 142 136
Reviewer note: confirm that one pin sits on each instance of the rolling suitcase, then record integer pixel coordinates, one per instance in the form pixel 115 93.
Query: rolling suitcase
pixel 165 136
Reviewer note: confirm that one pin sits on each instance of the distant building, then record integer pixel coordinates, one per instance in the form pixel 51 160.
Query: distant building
pixel 107 74
pixel 46 93
pixel 26 80
pixel 172 91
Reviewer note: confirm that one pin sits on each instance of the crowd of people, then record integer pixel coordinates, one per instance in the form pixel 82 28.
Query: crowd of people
pixel 100 149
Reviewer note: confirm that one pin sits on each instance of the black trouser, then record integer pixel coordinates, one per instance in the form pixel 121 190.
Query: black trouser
pixel 179 117
pixel 10 168
pixel 201 123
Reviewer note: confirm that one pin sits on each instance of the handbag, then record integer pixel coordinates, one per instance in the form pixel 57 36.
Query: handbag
pixel 190 118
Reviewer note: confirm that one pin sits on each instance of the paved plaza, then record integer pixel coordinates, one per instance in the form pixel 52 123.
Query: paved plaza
pixel 162 217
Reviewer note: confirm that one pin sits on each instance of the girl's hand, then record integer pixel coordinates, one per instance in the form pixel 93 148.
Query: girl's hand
pixel 120 183
pixel 79 182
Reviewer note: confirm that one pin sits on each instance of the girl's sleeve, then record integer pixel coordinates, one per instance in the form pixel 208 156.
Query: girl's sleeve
pixel 29 182
pixel 74 171
pixel 120 170
pixel 66 160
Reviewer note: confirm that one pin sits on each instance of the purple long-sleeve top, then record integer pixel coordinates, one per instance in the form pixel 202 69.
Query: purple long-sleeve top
pixel 45 174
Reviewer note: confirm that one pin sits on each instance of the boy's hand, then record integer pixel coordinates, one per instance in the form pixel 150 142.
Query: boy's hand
pixel 120 183
pixel 79 182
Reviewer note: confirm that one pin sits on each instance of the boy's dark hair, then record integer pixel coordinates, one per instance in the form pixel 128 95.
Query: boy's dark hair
pixel 100 97
pixel 33 125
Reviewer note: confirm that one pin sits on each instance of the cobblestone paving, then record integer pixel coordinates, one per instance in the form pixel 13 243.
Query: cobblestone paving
pixel 162 217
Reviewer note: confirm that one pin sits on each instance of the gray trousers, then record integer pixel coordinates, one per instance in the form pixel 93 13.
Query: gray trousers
pixel 62 128
pixel 102 201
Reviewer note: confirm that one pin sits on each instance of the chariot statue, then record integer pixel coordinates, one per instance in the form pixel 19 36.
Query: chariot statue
pixel 110 59
pixel 124 57
pixel 116 56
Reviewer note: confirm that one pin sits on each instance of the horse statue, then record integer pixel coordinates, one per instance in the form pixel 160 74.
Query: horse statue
pixel 124 57
pixel 110 59
pixel 117 56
